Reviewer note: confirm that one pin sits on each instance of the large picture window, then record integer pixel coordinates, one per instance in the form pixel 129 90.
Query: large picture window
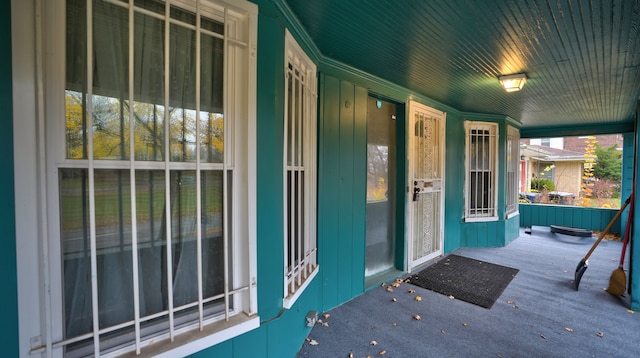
pixel 481 174
pixel 300 171
pixel 155 180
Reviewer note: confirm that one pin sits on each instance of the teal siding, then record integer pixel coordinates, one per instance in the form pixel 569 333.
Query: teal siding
pixel 634 272
pixel 454 185
pixel 512 229
pixel 270 139
pixel 341 189
pixel 8 300
pixel 627 174
pixel 578 217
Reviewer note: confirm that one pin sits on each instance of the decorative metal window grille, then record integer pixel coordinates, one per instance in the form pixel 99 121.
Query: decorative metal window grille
pixel 481 178
pixel 153 182
pixel 513 161
pixel 300 171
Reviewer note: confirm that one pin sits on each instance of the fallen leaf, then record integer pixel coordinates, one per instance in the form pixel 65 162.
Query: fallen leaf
pixel 394 324
pixel 417 317
pixel 389 289
pixel 451 297
pixel 307 339
pixel 631 311
pixel 600 334
pixel 325 324
pixel 510 302
pixel 465 324
pixel 326 315
pixel 443 332
pixel 383 352
pixel 418 298
pixel 383 284
pixel 542 336
pixel 515 306
pixel 394 299
pixel 407 280
pixel 411 290
pixel 313 342
pixel 395 284
pixel 568 329
pixel 373 343
pixel 350 354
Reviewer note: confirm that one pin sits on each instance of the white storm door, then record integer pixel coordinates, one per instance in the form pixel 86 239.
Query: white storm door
pixel 426 184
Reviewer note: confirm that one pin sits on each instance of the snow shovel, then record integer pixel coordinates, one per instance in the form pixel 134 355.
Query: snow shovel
pixel 582 265
pixel 618 280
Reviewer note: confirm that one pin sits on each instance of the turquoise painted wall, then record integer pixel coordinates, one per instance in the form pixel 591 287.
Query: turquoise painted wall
pixel 571 216
pixel 627 175
pixel 634 273
pixel 342 158
pixel 454 186
pixel 9 300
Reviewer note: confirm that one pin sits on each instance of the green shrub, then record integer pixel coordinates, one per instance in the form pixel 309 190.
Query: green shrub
pixel 539 184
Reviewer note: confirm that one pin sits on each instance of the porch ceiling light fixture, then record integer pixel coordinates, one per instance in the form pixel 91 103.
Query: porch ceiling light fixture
pixel 513 83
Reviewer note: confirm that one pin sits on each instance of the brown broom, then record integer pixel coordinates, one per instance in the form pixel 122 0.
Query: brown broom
pixel 618 280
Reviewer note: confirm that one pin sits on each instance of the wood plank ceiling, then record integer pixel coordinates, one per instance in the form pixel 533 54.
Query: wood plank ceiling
pixel 581 57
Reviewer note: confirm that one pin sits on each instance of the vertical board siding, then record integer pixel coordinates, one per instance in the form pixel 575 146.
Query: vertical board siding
pixel 270 144
pixel 341 185
pixel 634 271
pixel 627 173
pixel 344 190
pixel 571 216
pixel 454 233
pixel 512 229
pixel 328 178
pixel 9 299
pixel 359 191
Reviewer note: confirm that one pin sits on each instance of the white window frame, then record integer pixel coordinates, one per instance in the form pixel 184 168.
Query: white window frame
pixel 39 78
pixel 488 209
pixel 300 249
pixel 513 166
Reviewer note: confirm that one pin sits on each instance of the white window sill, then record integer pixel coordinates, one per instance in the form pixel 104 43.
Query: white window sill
pixel 513 214
pixel 194 341
pixel 482 219
pixel 288 302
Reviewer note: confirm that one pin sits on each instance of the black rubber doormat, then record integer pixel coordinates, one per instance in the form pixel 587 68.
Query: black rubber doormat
pixel 470 280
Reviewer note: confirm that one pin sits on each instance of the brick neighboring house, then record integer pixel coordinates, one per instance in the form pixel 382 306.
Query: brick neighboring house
pixel 563 167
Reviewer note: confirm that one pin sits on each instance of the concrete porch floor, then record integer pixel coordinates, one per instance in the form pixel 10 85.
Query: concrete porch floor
pixel 539 314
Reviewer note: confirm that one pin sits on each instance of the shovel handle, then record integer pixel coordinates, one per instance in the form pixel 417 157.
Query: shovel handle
pixel 606 230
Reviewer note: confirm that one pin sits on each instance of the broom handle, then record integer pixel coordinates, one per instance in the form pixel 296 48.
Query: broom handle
pixel 602 234
pixel 627 232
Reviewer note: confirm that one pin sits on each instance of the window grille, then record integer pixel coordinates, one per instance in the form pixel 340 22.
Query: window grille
pixel 155 218
pixel 481 178
pixel 513 161
pixel 300 171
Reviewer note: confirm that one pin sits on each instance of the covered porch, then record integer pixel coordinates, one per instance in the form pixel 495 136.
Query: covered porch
pixel 539 314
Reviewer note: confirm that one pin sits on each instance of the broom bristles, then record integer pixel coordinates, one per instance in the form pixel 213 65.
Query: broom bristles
pixel 617 282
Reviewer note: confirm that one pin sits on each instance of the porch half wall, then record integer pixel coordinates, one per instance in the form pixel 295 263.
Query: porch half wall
pixel 571 216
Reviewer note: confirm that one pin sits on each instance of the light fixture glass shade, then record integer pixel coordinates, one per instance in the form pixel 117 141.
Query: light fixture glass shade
pixel 513 83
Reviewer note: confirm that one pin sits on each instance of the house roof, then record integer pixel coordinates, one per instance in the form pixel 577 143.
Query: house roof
pixel 549 154
pixel 582 58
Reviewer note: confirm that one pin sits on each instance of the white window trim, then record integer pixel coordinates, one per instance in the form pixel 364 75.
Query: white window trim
pixel 513 136
pixel 296 279
pixel 493 130
pixel 38 72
